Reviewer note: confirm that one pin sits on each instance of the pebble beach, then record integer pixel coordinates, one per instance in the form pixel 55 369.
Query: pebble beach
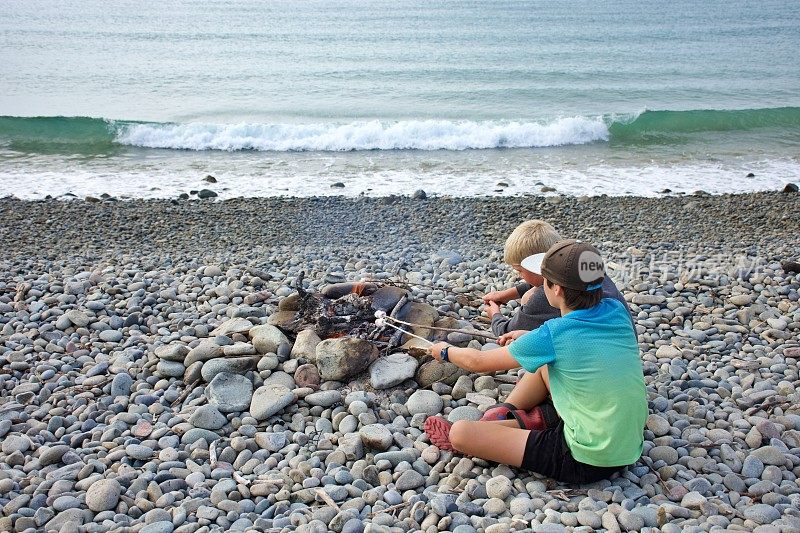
pixel 148 382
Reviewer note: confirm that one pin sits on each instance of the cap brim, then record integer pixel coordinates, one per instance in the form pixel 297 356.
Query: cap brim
pixel 533 263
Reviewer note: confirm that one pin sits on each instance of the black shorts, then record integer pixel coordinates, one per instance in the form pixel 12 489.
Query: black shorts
pixel 547 453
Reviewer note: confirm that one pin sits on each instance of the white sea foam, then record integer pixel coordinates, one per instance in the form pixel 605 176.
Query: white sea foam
pixel 373 135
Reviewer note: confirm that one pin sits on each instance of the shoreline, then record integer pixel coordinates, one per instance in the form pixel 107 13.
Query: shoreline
pixel 435 222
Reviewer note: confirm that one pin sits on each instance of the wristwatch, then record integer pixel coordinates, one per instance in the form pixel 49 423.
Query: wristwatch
pixel 444 355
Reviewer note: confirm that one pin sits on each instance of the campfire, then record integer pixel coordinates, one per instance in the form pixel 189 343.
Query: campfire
pixel 379 312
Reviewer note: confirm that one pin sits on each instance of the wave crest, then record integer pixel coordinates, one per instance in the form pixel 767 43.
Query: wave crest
pixel 373 135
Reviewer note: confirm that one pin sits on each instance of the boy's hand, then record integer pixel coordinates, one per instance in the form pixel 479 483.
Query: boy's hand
pixel 436 350
pixel 494 296
pixel 492 308
pixel 506 338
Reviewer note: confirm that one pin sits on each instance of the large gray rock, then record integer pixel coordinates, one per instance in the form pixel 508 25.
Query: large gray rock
pixel 305 345
pixel 230 392
pixel 392 370
pixel 268 400
pixel 419 313
pixel 266 338
pixel 338 359
pixel 232 365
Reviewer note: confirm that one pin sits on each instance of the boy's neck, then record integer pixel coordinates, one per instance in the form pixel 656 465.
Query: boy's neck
pixel 565 310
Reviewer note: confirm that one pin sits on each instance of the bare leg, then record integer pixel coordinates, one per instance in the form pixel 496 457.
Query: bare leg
pixel 493 441
pixel 531 390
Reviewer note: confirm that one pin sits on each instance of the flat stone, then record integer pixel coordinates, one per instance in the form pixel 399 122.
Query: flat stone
pixel 172 352
pixel 16 443
pixel 307 376
pixel 436 372
pixel 376 437
pixel 207 349
pixel 239 348
pixel 392 370
pixel 162 526
pixel 110 335
pixel 268 400
pixel 230 392
pixel 668 351
pixel 769 455
pixel 272 442
pixel 137 451
pixel 410 479
pixel 324 398
pixel 693 500
pixel 77 318
pixel 761 513
pixel 235 325
pixel 170 369
pixel 195 434
pixel 231 365
pixel 741 299
pixel 464 412
pixel 282 319
pixel 499 487
pixel 647 299
pixel 208 417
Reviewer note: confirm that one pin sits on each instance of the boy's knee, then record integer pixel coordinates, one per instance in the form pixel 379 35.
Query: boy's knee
pixel 459 434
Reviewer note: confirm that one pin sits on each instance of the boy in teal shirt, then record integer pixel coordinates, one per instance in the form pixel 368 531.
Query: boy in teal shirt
pixel 587 360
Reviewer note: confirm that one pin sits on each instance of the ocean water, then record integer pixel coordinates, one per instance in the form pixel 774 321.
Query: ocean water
pixel 140 99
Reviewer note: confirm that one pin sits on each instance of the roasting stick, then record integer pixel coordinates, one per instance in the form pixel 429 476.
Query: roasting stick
pixel 383 318
pixel 381 321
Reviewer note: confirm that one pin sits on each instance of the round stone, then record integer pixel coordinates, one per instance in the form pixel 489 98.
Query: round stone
pixel 499 487
pixel 376 437
pixel 103 495
pixel 668 454
pixel 424 402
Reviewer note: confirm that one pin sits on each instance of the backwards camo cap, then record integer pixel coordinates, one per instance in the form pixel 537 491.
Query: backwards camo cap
pixel 571 263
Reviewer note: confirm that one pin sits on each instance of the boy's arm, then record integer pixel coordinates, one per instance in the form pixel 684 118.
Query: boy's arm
pixel 476 360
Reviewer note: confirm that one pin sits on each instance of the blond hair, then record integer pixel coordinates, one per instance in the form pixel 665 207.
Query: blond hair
pixel 530 237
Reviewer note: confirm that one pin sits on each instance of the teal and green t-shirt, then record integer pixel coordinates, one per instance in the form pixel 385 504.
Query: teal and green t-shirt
pixel 596 380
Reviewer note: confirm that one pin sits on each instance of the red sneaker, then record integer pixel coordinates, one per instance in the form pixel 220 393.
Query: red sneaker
pixel 532 420
pixel 438 430
pixel 498 412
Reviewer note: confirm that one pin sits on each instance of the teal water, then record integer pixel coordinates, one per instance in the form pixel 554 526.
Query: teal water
pixel 455 97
